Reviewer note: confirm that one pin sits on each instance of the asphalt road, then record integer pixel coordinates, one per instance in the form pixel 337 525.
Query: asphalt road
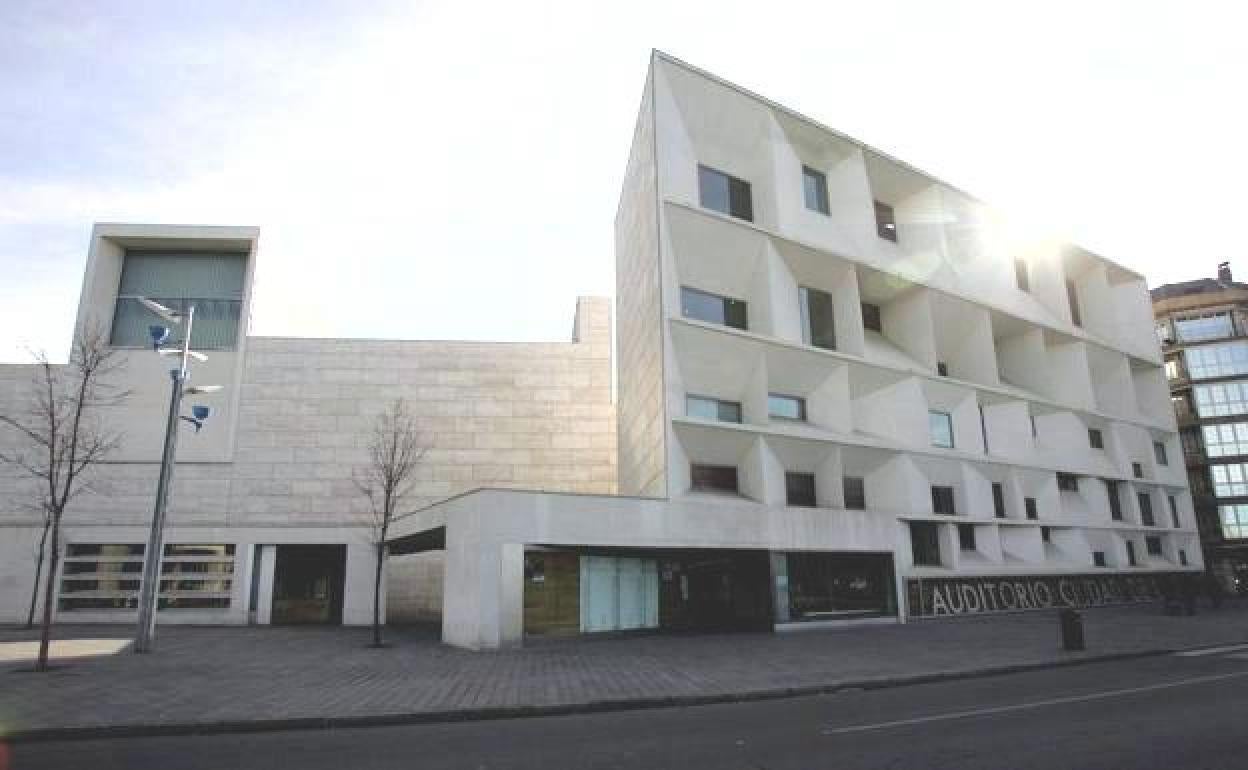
pixel 1161 712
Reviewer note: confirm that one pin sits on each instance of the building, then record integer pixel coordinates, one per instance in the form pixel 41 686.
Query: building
pixel 1203 329
pixel 844 395
pixel 265 524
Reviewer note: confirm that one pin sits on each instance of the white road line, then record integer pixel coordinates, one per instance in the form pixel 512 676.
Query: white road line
pixel 1211 651
pixel 1031 705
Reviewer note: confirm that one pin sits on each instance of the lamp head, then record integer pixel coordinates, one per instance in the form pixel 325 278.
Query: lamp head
pixel 200 412
pixel 158 334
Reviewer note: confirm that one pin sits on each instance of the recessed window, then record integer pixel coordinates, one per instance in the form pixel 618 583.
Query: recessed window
pixel 925 543
pixel 818 318
pixel 815 188
pixel 942 369
pixel 714 478
pixel 1210 326
pixel 1068 482
pixel 1131 561
pixel 1072 297
pixel 885 222
pixel 1225 440
pixel 712 308
pixel 871 317
pixel 1095 439
pixel 799 489
pixel 1137 470
pixel 1182 557
pixel 1221 400
pixel 1034 432
pixel 1046 534
pixel 724 193
pixel 940 425
pixel 855 492
pixel 1146 509
pixel 1159 453
pixel 1229 479
pixel 966 537
pixel 1174 511
pixel 1029 505
pixel 1224 359
pixel 998 500
pixel 1098 558
pixel 1153 543
pixel 211 282
pixel 1234 519
pixel 1115 505
pixel 942 501
pixel 712 409
pixel 1021 276
pixel 780 406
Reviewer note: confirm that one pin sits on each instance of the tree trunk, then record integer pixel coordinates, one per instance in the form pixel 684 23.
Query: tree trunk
pixel 34 589
pixel 381 559
pixel 45 635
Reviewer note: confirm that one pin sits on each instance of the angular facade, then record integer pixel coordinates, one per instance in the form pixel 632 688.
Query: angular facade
pixel 1203 329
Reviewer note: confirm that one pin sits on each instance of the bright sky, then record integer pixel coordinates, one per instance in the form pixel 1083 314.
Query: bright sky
pixel 451 169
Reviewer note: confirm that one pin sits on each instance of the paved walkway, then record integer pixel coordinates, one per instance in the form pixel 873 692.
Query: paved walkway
pixel 230 675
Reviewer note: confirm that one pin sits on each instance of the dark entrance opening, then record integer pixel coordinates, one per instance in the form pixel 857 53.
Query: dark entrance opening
pixel 716 591
pixel 308 584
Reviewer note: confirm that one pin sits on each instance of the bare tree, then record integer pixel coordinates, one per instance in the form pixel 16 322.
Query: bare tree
pixel 394 452
pixel 60 439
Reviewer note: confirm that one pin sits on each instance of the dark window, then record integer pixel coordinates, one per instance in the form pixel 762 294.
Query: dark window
pixel 1029 505
pixel 1130 553
pixel 1182 557
pixel 712 308
pixel 1046 534
pixel 942 501
pixel 799 489
pixel 1072 296
pixel 885 222
pixel 815 188
pixel 1068 482
pixel 966 537
pixel 925 543
pixel 210 282
pixel 855 493
pixel 1095 439
pixel 1146 509
pixel 983 428
pixel 818 318
pixel 1153 543
pixel 942 368
pixel 1174 511
pixel 871 317
pixel 712 409
pixel 1021 277
pixel 714 478
pixel 786 407
pixel 940 424
pixel 726 194
pixel 1137 470
pixel 1115 505
pixel 824 586
pixel 1034 433
pixel 998 500
pixel 1159 452
pixel 1098 558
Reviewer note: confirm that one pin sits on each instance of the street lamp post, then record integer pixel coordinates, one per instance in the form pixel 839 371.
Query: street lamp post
pixel 150 586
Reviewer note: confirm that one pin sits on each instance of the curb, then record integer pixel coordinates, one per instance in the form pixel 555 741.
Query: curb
pixel 47 734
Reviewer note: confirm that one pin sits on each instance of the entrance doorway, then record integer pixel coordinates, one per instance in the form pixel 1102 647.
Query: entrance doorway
pixel 308 584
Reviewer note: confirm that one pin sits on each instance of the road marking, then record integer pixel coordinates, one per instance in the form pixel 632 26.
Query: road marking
pixel 1211 651
pixel 1031 705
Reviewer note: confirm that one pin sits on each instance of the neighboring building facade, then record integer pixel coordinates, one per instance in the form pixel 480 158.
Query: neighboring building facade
pixel 1203 329
pixel 265 523
pixel 843 396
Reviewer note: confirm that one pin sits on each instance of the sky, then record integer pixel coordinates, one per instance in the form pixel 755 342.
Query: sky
pixel 450 170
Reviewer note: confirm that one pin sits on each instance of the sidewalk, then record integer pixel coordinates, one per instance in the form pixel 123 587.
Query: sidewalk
pixel 249 678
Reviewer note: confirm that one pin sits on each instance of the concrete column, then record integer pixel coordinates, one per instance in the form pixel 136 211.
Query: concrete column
pixel 357 599
pixel 264 594
pixel 899 581
pixel 780 586
pixel 511 595
pixel 483 595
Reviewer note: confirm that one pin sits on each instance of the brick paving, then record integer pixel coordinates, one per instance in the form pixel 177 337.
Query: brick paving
pixel 205 675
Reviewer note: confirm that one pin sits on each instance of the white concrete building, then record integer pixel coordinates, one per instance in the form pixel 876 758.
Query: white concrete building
pixel 844 394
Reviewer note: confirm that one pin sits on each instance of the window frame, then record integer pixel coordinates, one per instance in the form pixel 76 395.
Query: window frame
pixel 857 502
pixel 942 494
pixel 709 470
pixel 720 405
pixel 725 303
pixel 738 207
pixel 798 400
pixel 885 221
pixel 802 479
pixel 820 181
pixel 931 428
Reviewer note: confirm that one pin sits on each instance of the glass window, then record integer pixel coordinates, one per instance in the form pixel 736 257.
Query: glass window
pixel 714 478
pixel 786 407
pixel 712 409
pixel 799 489
pixel 1095 439
pixel 1234 521
pixel 1221 400
pixel 966 537
pixel 1068 482
pixel 855 492
pixel 1226 440
pixel 1046 534
pixel 885 222
pixel 1137 470
pixel 1029 505
pixel 107 576
pixel 1115 505
pixel 998 500
pixel 1206 327
pixel 1021 277
pixel 1098 558
pixel 1072 298
pixel 824 586
pixel 726 194
pixel 1174 511
pixel 940 424
pixel 1229 480
pixel 815 188
pixel 1131 553
pixel 1146 509
pixel 1159 453
pixel 210 282
pixel 925 543
pixel 942 501
pixel 818 318
pixel 1172 369
pixel 712 308
pixel 871 317
pixel 1226 359
pixel 1153 543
